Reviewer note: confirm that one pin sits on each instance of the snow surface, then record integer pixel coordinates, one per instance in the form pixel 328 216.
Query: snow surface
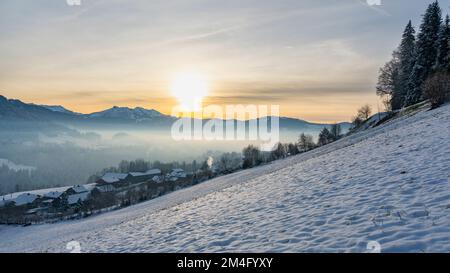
pixel 83 188
pixel 149 172
pixel 25 198
pixel 53 194
pixel 113 177
pixel 74 198
pixel 388 184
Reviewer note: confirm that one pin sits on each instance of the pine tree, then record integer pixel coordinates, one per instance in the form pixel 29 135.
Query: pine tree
pixel 426 52
pixel 406 58
pixel 443 59
pixel 325 137
pixel 336 131
pixel 305 143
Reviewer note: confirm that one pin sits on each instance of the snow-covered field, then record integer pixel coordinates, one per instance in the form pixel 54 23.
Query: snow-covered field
pixel 388 184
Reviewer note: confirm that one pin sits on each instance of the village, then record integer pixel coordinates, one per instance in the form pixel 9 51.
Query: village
pixel 111 191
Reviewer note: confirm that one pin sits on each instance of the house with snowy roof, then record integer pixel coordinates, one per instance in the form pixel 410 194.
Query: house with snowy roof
pixel 113 181
pixel 78 193
pixel 53 194
pixel 138 177
pixel 51 197
pixel 24 199
pixel 109 178
pixel 78 189
pixel 110 181
pixel 176 174
pixel 77 198
pixel 158 179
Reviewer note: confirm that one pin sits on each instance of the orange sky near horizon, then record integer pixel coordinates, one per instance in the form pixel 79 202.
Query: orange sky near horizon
pixel 329 110
pixel 317 60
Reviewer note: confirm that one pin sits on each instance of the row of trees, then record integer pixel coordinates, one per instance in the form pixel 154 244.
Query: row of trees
pixel 252 156
pixel 420 66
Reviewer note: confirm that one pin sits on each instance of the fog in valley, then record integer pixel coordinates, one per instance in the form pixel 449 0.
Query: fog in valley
pixel 33 157
pixel 42 148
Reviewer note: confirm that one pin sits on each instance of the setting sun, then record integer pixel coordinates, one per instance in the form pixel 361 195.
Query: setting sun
pixel 189 88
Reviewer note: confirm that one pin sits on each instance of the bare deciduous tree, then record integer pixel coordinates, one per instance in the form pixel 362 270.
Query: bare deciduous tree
pixel 362 115
pixel 364 112
pixel 437 88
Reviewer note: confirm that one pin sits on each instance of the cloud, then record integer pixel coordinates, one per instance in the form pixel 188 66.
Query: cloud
pixel 376 8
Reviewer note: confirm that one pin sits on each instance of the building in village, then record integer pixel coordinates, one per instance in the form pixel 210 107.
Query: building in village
pixel 110 190
pixel 176 174
pixel 25 199
pixel 138 177
pixel 78 194
pixel 109 182
pixel 118 181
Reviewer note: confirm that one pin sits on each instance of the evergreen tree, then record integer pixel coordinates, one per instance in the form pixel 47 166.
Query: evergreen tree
pixel 293 149
pixel 252 157
pixel 325 137
pixel 305 143
pixel 426 52
pixel 279 152
pixel 194 166
pixel 443 60
pixel 204 166
pixel 406 58
pixel 335 131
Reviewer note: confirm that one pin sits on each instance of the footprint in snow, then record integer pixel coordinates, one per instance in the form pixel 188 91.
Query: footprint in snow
pixel 419 213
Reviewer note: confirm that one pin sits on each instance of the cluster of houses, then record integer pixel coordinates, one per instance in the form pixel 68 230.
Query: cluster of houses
pixel 111 189
pixel 47 197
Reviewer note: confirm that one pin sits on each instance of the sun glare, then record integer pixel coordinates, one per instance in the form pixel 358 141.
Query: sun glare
pixel 189 89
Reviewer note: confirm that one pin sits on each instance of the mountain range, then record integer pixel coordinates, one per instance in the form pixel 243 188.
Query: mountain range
pixel 16 110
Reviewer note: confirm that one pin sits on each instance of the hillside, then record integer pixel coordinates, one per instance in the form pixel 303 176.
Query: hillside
pixel 388 184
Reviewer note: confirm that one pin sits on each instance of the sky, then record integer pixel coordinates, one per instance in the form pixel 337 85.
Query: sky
pixel 317 59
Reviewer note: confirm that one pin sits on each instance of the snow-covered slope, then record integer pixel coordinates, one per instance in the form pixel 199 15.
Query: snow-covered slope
pixel 388 184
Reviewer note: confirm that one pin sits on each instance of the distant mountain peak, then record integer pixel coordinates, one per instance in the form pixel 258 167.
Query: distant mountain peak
pixel 13 109
pixel 59 109
pixel 137 113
